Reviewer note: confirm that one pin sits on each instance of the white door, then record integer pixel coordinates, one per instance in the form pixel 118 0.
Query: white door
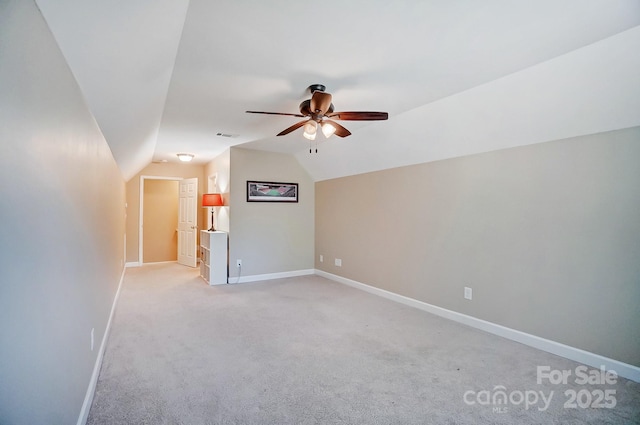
pixel 187 222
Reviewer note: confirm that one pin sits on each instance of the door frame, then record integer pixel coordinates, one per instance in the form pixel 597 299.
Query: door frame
pixel 141 211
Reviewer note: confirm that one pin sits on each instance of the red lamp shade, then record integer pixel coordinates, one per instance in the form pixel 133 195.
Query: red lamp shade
pixel 212 200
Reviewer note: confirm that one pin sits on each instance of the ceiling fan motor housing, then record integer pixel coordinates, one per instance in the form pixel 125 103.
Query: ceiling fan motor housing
pixel 305 109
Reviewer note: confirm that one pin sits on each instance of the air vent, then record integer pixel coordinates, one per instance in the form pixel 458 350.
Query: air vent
pixel 226 135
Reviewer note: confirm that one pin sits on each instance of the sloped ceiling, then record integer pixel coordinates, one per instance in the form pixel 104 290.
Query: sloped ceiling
pixel 457 77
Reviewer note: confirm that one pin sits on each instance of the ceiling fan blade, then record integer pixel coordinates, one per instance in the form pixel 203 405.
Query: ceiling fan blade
pixel 275 113
pixel 320 102
pixel 359 116
pixel 340 130
pixel 293 127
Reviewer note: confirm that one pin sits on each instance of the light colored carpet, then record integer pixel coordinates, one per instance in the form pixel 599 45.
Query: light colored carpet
pixel 307 350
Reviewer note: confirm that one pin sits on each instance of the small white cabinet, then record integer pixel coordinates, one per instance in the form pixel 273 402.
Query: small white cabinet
pixel 213 257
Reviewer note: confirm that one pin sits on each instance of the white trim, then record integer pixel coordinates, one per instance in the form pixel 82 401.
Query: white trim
pixel 139 264
pixel 576 354
pixel 88 398
pixel 269 276
pixel 159 262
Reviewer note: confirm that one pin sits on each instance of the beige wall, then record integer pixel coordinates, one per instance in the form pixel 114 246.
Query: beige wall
pixel 160 220
pixel 177 170
pixel 547 236
pixel 62 233
pixel 269 237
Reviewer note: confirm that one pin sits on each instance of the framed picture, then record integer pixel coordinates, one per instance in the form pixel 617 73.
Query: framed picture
pixel 258 191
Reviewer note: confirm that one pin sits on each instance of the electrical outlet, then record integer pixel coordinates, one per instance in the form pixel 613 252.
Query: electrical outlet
pixel 238 263
pixel 92 329
pixel 321 258
pixel 468 293
pixel 338 262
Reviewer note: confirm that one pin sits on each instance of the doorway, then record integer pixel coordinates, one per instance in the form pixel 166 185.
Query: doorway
pixel 181 233
pixel 159 221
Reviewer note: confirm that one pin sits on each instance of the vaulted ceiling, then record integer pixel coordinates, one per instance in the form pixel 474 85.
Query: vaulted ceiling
pixel 457 77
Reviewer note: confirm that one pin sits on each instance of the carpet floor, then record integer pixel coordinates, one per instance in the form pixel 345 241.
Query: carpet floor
pixel 307 350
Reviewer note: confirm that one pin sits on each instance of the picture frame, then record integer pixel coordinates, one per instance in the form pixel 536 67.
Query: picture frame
pixel 263 191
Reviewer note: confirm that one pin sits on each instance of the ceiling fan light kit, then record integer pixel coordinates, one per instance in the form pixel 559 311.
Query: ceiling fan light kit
pixel 328 129
pixel 310 130
pixel 318 110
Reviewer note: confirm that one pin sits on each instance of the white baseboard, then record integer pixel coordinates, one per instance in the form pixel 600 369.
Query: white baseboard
pixel 88 399
pixel 140 264
pixel 269 276
pixel 590 359
pixel 158 262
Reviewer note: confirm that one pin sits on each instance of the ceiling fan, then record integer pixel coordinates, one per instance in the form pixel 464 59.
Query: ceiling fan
pixel 318 110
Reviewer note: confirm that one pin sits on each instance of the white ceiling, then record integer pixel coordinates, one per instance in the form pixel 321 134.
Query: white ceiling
pixel 457 77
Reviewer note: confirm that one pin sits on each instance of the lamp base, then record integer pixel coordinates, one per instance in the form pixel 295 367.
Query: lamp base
pixel 213 229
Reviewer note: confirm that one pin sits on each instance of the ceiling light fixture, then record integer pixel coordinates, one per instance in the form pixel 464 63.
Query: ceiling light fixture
pixel 310 130
pixel 328 129
pixel 185 157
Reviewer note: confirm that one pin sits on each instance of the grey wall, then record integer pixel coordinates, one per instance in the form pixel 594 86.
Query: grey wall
pixel 269 237
pixel 62 233
pixel 547 236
